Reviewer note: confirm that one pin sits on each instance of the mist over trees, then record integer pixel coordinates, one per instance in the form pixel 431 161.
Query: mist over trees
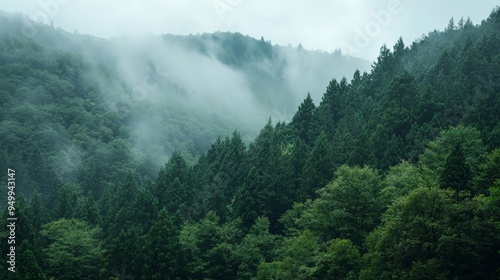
pixel 393 173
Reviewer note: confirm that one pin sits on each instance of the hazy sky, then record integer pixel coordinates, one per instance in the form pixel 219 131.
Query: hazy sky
pixel 357 26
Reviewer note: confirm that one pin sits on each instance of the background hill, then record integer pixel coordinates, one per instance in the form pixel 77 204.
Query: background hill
pixel 73 100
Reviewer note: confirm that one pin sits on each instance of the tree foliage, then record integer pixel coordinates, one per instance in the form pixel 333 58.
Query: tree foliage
pixel 393 175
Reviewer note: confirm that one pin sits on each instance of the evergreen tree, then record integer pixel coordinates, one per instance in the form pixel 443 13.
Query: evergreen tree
pixel 120 212
pixel 249 203
pixel 28 266
pixel 64 205
pixel 456 173
pixel 172 189
pixel 318 169
pixel 87 211
pixel 125 253
pixel 303 121
pixel 164 257
pixel 145 207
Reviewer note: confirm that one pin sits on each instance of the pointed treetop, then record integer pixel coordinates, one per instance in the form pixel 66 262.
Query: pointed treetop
pixel 399 47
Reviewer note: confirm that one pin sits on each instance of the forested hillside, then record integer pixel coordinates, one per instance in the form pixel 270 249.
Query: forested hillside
pixel 70 102
pixel 393 174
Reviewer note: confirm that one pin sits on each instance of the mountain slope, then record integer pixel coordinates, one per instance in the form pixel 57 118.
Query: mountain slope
pixel 143 98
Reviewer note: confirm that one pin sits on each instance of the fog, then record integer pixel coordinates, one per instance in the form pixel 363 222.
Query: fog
pixel 323 25
pixel 152 68
pixel 198 78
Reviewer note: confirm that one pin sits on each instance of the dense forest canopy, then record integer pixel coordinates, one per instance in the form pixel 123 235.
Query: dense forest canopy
pixel 392 174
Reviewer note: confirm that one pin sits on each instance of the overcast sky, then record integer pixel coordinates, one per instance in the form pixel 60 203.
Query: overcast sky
pixel 359 27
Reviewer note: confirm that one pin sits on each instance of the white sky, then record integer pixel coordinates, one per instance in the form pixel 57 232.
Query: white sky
pixel 317 24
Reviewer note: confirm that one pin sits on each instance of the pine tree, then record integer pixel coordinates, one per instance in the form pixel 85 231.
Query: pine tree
pixel 27 264
pixel 63 204
pixel 87 211
pixel 120 210
pixel 171 187
pixel 125 253
pixel 318 169
pixel 303 120
pixel 145 207
pixel 37 212
pixel 331 108
pixel 248 202
pixel 456 174
pixel 164 257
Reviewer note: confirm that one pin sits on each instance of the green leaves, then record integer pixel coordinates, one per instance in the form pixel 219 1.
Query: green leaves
pixel 410 234
pixel 469 138
pixel 349 207
pixel 257 246
pixel 341 260
pixel 296 259
pixel 210 247
pixel 74 250
pixel 429 234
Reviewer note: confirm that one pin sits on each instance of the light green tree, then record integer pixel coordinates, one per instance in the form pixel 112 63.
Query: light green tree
pixel 349 207
pixel 74 250
pixel 433 160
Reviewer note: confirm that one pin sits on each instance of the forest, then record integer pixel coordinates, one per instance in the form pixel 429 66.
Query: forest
pixel 393 174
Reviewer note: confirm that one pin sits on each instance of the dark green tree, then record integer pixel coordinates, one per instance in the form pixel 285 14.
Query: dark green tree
pixel 318 169
pixel 120 213
pixel 28 266
pixel 124 256
pixel 64 206
pixel 303 121
pixel 88 212
pixel 164 257
pixel 211 247
pixel 456 173
pixel 172 189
